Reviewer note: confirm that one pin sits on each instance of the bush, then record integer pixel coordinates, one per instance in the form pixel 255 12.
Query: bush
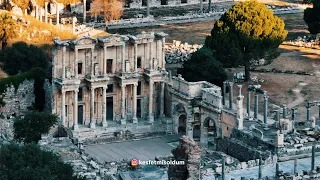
pixel 28 129
pixel 29 162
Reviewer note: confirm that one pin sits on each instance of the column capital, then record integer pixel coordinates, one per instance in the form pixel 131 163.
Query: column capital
pixel 123 85
pixel 105 88
pixel 151 82
pixel 239 86
pixel 92 88
pixel 63 91
pixel 135 84
pixel 230 83
pixel 76 90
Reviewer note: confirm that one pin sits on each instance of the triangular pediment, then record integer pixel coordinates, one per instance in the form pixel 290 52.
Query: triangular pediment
pixel 85 40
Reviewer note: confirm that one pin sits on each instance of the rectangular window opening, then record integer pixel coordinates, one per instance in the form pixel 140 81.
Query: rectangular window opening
pixel 79 68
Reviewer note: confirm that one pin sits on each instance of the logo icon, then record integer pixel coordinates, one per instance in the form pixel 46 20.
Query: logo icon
pixel 134 162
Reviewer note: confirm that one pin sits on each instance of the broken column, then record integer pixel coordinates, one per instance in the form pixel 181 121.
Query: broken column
pixel 230 95
pixel 256 105
pixel 84 11
pixel 57 9
pixel 189 152
pixel 308 112
pixel 260 167
pixel 46 12
pixel 295 166
pixel 284 112
pixel 313 157
pixel 277 169
pixel 223 168
pixel 240 109
pixel 277 116
pixel 293 114
pixel 265 108
pixel 224 90
pixel 248 102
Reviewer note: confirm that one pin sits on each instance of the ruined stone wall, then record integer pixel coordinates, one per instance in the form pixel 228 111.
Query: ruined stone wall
pixel 240 150
pixel 16 101
pixel 228 122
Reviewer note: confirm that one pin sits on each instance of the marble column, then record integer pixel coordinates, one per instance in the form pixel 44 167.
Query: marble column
pixel 104 107
pixel 293 114
pixel 63 107
pixel 46 12
pixel 295 166
pixel 135 120
pixel 201 6
pixel 313 157
pixel 277 169
pixel 224 90
pixel 123 58
pixel 204 136
pixel 151 58
pixel 40 14
pixel 162 100
pixel 256 104
pixel 148 8
pixel 63 62
pixel 58 13
pixel 248 102
pixel 308 112
pixel 260 168
pixel 151 117
pixel 223 168
pixel 163 54
pixel 37 12
pixel 84 11
pixel 92 62
pixel 231 95
pixel 135 57
pixel 92 120
pixel 265 108
pixel 123 104
pixel 76 63
pixel 277 115
pixel 75 110
pixel 105 60
pixel 240 109
pixel 284 113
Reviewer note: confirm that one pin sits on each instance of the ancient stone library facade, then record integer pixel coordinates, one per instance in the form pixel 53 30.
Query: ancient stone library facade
pixel 119 81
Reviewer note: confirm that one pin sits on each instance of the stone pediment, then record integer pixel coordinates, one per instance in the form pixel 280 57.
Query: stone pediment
pixel 85 41
pixel 113 39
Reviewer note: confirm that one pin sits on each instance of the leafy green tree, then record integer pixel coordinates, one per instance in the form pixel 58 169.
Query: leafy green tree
pixel 8 29
pixel 21 162
pixel 21 57
pixel 203 67
pixel 312 17
pixel 28 129
pixel 246 32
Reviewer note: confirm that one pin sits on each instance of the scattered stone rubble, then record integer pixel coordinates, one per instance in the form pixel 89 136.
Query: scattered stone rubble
pixel 305 41
pixel 177 52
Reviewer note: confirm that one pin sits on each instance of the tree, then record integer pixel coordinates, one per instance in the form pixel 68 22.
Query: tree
pixel 30 162
pixel 111 9
pixel 246 32
pixel 21 57
pixel 8 29
pixel 28 129
pixel 202 66
pixel 312 17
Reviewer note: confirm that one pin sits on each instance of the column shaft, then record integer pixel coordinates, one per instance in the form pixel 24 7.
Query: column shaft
pixel 63 62
pixel 58 13
pixel 135 120
pixel 256 106
pixel 76 63
pixel 313 157
pixel 278 116
pixel 163 53
pixel 319 113
pixel 151 117
pixel 248 103
pixel 75 110
pixel 148 8
pixel 104 107
pixel 265 109
pixel 308 113
pixel 92 62
pixel 46 12
pixel 123 58
pixel 224 90
pixel 123 105
pixel 284 113
pixel 162 100
pixel 104 60
pixel 260 167
pixel 151 57
pixel 295 166
pixel 223 168
pixel 63 108
pixel 231 95
pixel 92 120
pixel 37 12
pixel 84 11
pixel 135 57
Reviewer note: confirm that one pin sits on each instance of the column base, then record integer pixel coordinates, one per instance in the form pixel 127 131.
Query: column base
pixel 123 121
pixel 104 124
pixel 151 119
pixel 93 125
pixel 135 120
pixel 75 127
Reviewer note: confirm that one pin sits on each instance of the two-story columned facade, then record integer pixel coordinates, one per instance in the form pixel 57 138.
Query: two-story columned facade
pixel 107 80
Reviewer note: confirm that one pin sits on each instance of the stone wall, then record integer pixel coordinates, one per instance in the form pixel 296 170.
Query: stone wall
pixel 16 101
pixel 228 122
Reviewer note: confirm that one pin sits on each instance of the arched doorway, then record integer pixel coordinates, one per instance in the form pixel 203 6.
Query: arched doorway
pixel 182 124
pixel 196 126
pixel 209 132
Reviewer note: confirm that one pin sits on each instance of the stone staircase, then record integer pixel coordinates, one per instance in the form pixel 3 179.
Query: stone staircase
pixel 117 132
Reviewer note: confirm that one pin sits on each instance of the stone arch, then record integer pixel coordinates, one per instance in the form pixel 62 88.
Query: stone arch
pixel 208 131
pixel 196 125
pixel 179 114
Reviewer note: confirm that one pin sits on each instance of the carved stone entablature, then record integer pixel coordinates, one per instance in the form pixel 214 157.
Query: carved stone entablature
pixel 142 38
pixel 67 82
pixel 85 40
pixel 59 42
pixel 113 40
